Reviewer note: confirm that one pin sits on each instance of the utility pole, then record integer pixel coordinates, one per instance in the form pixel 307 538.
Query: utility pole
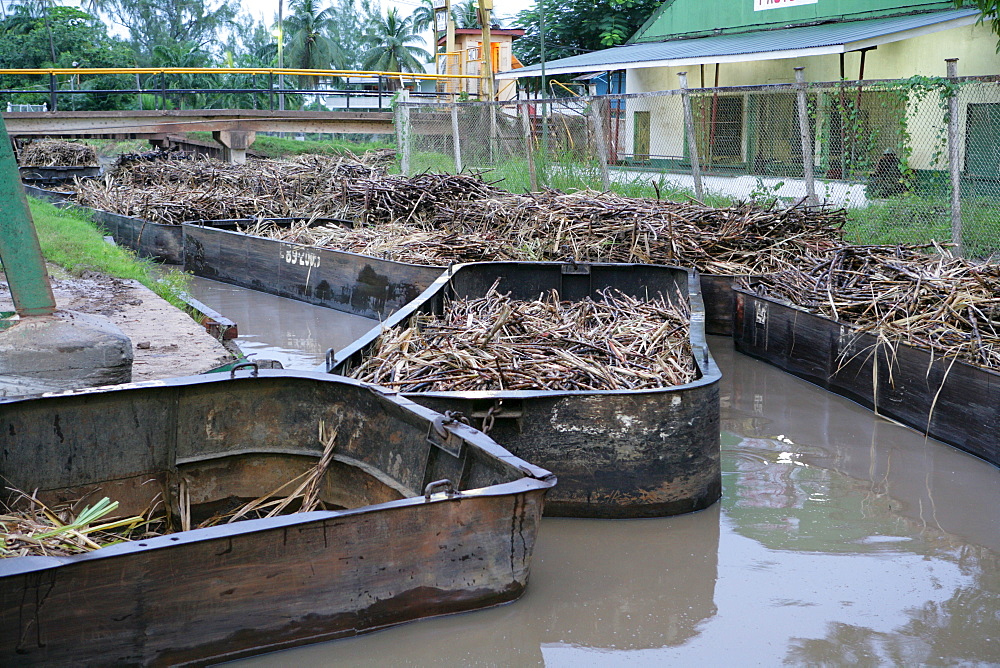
pixel 281 55
pixel 487 51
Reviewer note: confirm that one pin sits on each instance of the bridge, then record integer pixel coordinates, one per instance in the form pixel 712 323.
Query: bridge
pixel 234 129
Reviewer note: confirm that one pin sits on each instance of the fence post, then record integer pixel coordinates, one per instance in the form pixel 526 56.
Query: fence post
pixel 455 139
pixel 600 140
pixel 52 92
pixel 807 145
pixel 403 134
pixel 493 132
pixel 528 148
pixel 699 193
pixel 954 162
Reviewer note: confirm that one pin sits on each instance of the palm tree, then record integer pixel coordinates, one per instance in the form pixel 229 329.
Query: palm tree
pixel 423 16
pixel 466 14
pixel 307 35
pixel 391 48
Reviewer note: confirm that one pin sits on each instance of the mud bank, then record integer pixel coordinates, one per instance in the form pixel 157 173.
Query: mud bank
pixel 166 342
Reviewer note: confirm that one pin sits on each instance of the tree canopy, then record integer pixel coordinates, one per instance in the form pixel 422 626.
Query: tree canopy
pixel 579 26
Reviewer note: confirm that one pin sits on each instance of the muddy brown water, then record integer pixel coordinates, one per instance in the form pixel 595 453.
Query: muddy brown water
pixel 841 539
pixel 272 327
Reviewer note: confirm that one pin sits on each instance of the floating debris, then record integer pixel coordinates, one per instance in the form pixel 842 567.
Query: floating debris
pixel 616 342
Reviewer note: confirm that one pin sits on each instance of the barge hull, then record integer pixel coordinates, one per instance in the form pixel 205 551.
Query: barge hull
pixel 617 454
pixel 348 282
pixel 951 401
pixel 390 555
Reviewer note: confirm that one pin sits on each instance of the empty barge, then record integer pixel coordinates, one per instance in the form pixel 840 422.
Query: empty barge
pixel 427 517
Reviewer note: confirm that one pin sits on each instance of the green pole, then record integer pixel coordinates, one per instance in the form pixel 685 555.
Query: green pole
pixel 20 252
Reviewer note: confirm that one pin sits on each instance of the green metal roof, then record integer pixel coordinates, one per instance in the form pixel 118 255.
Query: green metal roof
pixel 811 40
pixel 702 18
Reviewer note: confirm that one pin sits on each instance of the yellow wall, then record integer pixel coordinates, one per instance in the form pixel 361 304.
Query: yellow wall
pixel 974 46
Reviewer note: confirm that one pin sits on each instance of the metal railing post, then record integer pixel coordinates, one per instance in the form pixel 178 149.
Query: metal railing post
pixel 270 91
pixel 699 192
pixel 53 87
pixel 163 90
pixel 806 137
pixel 954 162
pixel 20 251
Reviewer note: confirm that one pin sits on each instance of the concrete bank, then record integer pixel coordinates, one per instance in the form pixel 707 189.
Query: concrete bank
pixel 166 341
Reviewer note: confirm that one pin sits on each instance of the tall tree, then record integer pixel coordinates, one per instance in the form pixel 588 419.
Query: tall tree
pixel 392 46
pixel 579 26
pixel 307 30
pixel 166 22
pixel 77 39
pixel 466 14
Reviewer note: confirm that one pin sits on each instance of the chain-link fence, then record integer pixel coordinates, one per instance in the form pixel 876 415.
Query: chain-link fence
pixel 912 161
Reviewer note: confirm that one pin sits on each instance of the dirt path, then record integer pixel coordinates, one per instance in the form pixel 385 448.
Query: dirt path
pixel 166 341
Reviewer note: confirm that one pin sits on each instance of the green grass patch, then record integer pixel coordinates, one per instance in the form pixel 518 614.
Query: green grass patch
pixel 283 147
pixel 71 240
pixel 568 175
pixel 915 219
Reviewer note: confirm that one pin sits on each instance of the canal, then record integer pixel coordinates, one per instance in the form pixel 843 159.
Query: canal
pixel 841 539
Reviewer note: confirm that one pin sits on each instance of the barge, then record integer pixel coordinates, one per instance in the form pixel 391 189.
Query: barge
pixel 949 400
pixel 426 516
pixel 617 453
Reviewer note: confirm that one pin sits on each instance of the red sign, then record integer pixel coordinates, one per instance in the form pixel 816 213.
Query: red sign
pixel 778 4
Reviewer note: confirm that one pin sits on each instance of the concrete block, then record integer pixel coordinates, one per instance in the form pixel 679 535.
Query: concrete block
pixel 63 351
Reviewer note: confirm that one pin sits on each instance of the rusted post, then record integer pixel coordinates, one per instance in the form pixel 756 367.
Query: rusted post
pixel 806 136
pixel 600 139
pixel 954 162
pixel 699 192
pixel 529 150
pixel 20 251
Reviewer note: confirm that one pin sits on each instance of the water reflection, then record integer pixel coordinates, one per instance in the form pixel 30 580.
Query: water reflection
pixel 841 539
pixel 292 332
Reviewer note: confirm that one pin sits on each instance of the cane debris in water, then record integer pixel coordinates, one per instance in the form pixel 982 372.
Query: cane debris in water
pixel 615 342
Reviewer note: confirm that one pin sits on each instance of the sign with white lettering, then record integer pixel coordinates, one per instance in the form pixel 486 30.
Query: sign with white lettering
pixel 778 4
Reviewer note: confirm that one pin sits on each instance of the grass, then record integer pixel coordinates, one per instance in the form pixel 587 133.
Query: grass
pixel 71 240
pixel 282 147
pixel 915 219
pixel 567 175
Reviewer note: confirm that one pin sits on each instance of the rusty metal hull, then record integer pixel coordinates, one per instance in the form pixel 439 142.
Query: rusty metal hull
pixel 951 401
pixel 357 284
pixel 207 595
pixel 617 454
pixel 717 294
pixel 55 175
